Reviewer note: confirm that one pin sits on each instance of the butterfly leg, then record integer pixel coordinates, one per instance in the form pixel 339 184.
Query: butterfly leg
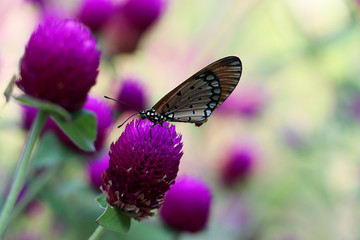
pixel 150 131
pixel 137 127
pixel 168 128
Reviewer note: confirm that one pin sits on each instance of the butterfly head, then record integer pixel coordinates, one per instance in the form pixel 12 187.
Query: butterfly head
pixel 142 115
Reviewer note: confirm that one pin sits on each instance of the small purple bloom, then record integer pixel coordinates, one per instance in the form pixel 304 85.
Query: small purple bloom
pixel 132 93
pixel 355 106
pixel 142 168
pixel 143 13
pixel 60 63
pixel 248 103
pixel 128 24
pixel 239 164
pixel 104 120
pixel 28 117
pixel 95 168
pixel 95 13
pixel 187 205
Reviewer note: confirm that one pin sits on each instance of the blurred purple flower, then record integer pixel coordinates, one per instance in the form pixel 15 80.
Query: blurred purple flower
pixel 132 93
pixel 128 24
pixel 104 119
pixel 95 13
pixel 142 168
pixel 38 2
pixel 28 117
pixel 95 168
pixel 187 205
pixel 28 235
pixel 355 106
pixel 60 64
pixel 293 137
pixel 238 164
pixel 143 13
pixel 248 102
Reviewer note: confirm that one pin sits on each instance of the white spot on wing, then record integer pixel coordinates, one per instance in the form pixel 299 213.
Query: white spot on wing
pixel 210 77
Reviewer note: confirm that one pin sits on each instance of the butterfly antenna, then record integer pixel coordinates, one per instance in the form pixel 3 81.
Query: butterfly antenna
pixel 122 103
pixel 127 120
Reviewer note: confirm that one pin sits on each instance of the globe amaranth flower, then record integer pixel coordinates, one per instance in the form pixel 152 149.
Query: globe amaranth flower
pixel 143 13
pixel 28 117
pixel 60 63
pixel 238 164
pixel 95 13
pixel 248 103
pixel 142 168
pixel 132 93
pixel 187 205
pixel 103 114
pixel 95 168
pixel 128 24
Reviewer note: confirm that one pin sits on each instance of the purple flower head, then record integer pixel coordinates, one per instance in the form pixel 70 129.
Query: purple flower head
pixel 104 119
pixel 187 205
pixel 355 106
pixel 248 103
pixel 28 117
pixel 95 13
pixel 95 168
pixel 143 13
pixel 128 23
pixel 132 93
pixel 120 36
pixel 238 164
pixel 142 168
pixel 60 63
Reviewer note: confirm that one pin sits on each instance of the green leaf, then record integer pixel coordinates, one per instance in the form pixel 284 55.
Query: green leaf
pixel 114 220
pixel 101 200
pixel 51 108
pixel 81 129
pixel 50 151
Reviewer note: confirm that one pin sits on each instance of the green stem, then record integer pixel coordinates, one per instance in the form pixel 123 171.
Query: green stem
pixel 33 190
pixel 22 169
pixel 177 235
pixel 97 233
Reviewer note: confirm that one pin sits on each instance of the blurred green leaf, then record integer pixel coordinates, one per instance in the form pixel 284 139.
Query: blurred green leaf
pixel 102 201
pixel 114 220
pixel 81 129
pixel 50 151
pixel 53 109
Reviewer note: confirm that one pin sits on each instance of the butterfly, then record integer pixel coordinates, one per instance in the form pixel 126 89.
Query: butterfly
pixel 194 100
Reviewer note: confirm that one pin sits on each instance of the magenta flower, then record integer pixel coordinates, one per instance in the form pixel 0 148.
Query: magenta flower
pixel 60 63
pixel 126 27
pixel 132 93
pixel 95 13
pixel 95 168
pixel 187 205
pixel 104 120
pixel 142 168
pixel 143 13
pixel 239 164
pixel 248 103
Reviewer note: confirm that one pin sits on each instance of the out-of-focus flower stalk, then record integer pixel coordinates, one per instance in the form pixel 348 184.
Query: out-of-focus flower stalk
pixel 22 169
pixel 99 231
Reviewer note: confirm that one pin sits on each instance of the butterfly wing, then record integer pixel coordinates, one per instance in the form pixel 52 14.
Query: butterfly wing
pixel 196 98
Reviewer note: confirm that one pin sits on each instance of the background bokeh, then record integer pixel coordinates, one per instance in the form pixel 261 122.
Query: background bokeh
pixel 297 108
